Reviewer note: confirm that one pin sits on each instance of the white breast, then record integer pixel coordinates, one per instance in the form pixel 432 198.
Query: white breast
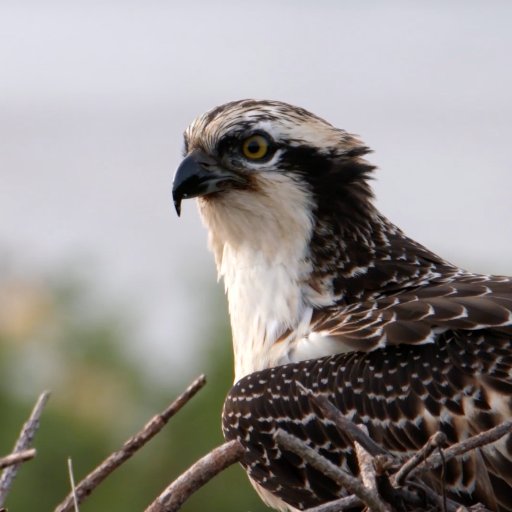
pixel 265 299
pixel 260 239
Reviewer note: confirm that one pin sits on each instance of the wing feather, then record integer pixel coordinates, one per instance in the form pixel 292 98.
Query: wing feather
pixel 416 316
pixel 403 394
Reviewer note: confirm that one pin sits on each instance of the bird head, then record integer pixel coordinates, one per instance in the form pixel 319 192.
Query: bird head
pixel 263 147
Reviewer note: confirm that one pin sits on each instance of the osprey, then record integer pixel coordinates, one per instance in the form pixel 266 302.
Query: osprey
pixel 325 292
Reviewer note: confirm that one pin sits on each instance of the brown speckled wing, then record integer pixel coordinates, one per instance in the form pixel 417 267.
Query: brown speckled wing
pixel 468 302
pixel 461 384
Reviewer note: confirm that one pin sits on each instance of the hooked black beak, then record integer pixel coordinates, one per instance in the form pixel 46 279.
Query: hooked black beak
pixel 200 175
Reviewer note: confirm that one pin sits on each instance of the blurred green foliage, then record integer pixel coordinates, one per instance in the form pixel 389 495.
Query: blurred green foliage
pixel 52 336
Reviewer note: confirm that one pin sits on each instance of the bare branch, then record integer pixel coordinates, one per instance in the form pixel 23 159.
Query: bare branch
pixel 72 482
pixel 17 457
pixel 113 461
pixel 489 436
pixel 351 484
pixel 173 497
pixel 338 505
pixel 366 466
pixel 24 442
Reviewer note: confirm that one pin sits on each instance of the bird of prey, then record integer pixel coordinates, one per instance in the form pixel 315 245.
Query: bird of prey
pixel 325 292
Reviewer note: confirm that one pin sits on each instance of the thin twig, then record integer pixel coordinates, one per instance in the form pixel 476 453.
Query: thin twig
pixel 338 505
pixel 113 461
pixel 489 436
pixel 443 476
pixel 17 457
pixel 173 497
pixel 437 439
pixel 72 483
pixel 327 468
pixel 344 425
pixel 24 442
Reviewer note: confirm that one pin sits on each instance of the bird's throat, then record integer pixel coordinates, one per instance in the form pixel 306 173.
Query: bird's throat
pixel 261 245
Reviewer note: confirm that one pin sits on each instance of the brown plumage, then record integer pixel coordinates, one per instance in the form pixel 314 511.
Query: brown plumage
pixel 325 291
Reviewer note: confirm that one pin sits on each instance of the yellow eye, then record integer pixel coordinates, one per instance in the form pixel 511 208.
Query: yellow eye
pixel 255 147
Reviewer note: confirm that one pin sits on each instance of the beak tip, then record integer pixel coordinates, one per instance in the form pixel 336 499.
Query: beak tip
pixel 177 206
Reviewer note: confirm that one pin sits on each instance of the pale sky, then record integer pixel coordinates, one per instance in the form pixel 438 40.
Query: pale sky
pixel 94 97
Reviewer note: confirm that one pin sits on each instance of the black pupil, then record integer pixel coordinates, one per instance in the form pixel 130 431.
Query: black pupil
pixel 253 146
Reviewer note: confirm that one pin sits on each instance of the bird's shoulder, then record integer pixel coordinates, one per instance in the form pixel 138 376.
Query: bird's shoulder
pixel 417 315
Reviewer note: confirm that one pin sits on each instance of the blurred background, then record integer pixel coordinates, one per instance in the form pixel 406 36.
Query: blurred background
pixel 111 301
